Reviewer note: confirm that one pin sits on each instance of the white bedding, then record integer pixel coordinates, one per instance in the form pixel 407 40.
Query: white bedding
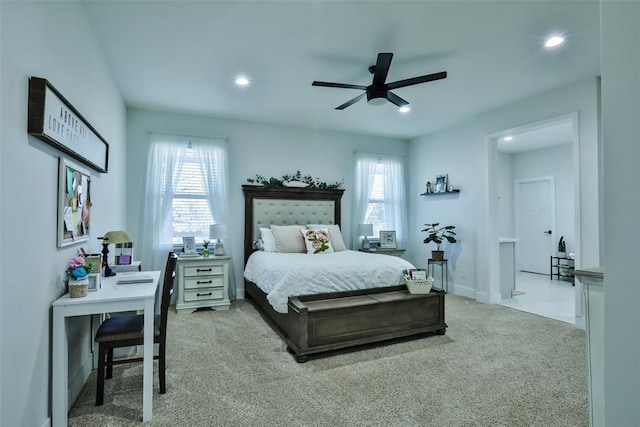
pixel 281 275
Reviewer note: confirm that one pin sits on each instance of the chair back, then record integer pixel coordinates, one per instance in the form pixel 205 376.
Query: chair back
pixel 167 291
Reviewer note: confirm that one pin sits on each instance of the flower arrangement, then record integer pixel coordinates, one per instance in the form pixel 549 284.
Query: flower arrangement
pixel 78 268
pixel 205 244
pixel 307 179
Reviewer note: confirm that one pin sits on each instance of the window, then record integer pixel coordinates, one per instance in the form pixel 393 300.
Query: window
pixel 186 190
pixel 380 194
pixel 190 211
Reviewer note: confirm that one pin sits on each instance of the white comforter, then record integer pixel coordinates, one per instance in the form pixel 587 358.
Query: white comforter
pixel 282 275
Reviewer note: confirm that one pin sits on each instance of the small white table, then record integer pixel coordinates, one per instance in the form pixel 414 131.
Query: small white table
pixel 110 298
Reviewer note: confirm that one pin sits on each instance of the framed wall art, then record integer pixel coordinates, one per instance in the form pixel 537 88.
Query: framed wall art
pixel 388 240
pixel 74 203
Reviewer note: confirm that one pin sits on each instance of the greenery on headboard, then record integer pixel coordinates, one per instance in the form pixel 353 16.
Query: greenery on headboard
pixel 307 179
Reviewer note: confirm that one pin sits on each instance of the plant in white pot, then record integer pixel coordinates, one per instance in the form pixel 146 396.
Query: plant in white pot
pixel 437 235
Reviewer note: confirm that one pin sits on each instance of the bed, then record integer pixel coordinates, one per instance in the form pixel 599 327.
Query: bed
pixel 348 313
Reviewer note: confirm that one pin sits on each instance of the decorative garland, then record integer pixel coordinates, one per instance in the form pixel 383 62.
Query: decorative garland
pixel 307 179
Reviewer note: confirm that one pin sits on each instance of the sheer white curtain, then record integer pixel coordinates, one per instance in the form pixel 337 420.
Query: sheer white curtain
pixel 365 174
pixel 391 169
pixel 165 161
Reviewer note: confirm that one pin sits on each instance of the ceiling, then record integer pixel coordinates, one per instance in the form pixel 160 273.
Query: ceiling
pixel 537 137
pixel 182 56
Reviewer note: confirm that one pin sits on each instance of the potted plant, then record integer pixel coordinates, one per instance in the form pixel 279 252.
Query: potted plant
pixel 437 235
pixel 562 247
pixel 205 250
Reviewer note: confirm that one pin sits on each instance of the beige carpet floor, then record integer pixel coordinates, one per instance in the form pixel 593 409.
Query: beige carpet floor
pixel 494 367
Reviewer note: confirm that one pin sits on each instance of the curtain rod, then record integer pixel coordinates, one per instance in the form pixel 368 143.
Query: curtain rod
pixel 187 135
pixel 378 154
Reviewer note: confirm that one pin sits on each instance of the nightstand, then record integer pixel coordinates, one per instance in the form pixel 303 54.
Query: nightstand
pixel 392 252
pixel 203 282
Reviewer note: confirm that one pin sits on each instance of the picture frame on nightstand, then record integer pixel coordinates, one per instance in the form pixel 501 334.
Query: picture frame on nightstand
pixel 388 240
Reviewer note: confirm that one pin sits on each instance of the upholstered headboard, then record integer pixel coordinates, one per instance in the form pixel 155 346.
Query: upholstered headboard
pixel 264 207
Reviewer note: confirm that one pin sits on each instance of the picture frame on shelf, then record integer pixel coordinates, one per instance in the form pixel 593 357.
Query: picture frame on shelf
pixel 388 240
pixel 441 184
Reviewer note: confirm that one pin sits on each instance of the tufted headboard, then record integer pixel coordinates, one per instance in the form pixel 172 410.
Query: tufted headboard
pixel 286 206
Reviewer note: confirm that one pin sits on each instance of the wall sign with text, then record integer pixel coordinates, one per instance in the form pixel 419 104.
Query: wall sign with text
pixel 55 121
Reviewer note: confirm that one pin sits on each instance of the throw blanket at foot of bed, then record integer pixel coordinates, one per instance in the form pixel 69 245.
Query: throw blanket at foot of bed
pixel 320 323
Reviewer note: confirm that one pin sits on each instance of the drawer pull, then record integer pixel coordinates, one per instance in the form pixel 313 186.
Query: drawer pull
pixel 200 283
pixel 202 269
pixel 204 295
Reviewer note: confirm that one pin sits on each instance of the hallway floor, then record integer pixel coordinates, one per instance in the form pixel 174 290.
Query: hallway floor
pixel 554 299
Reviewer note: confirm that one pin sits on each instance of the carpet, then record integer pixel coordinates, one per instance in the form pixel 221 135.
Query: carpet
pixel 494 367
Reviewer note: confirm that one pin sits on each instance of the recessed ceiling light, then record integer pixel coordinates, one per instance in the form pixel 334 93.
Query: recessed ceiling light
pixel 242 81
pixel 404 109
pixel 508 138
pixel 554 41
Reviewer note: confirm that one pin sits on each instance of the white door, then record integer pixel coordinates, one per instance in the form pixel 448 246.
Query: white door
pixel 535 223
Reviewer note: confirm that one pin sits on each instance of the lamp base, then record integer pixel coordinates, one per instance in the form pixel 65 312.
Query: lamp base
pixel 218 249
pixel 365 243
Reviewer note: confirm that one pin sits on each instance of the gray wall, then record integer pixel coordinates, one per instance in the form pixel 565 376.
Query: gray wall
pixel 49 40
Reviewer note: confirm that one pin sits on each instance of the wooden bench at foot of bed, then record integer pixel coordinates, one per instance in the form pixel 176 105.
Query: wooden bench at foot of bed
pixel 326 322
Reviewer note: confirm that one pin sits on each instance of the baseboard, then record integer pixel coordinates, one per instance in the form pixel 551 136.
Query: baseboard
pixel 239 293
pixel 487 298
pixel 79 378
pixel 464 291
pixel 581 323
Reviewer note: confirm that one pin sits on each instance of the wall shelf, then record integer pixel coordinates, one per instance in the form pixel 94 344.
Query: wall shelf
pixel 438 194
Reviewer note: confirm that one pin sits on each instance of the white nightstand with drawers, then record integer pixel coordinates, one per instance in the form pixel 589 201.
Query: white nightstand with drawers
pixel 203 282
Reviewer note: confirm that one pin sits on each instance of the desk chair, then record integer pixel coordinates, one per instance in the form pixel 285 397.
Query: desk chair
pixel 125 331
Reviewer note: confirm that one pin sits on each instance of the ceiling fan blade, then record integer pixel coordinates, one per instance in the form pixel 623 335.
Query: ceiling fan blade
pixel 392 97
pixel 350 102
pixel 338 85
pixel 382 68
pixel 416 80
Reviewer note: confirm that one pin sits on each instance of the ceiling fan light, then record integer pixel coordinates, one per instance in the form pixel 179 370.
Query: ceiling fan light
pixel 404 109
pixel 377 101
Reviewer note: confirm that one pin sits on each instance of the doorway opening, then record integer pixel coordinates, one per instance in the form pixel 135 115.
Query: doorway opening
pixel 533 174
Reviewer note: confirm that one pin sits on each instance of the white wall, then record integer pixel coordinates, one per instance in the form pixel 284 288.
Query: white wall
pixel 620 53
pixel 505 194
pixel 49 40
pixel 557 162
pixel 254 148
pixel 462 152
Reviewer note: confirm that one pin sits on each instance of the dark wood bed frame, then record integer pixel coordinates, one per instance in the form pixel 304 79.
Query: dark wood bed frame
pixel 332 321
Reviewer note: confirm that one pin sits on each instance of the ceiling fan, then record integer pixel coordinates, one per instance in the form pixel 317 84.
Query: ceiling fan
pixel 379 91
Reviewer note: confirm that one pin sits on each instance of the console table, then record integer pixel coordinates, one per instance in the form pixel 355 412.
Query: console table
pixel 110 298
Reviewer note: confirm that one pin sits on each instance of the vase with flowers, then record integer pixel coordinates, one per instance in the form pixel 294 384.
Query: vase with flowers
pixel 205 249
pixel 78 276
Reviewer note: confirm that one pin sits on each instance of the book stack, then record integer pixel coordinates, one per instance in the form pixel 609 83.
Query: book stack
pixel 124 253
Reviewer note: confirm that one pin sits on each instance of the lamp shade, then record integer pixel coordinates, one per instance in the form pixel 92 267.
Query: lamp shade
pixel 365 229
pixel 218 231
pixel 115 237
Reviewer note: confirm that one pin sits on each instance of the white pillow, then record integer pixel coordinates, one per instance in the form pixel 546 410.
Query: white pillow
pixel 334 232
pixel 317 241
pixel 288 238
pixel 268 241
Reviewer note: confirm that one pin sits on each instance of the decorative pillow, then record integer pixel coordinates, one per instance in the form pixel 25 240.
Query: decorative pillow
pixel 268 241
pixel 317 241
pixel 334 232
pixel 288 238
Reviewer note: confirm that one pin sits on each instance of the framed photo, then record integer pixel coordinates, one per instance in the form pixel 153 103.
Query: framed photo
pixel 388 240
pixel 74 203
pixel 189 244
pixel 417 274
pixel 441 184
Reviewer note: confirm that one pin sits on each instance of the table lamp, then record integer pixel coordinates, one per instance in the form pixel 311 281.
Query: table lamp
pixel 365 230
pixel 110 237
pixel 218 232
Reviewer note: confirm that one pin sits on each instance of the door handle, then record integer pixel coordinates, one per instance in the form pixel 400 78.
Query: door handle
pixel 547 232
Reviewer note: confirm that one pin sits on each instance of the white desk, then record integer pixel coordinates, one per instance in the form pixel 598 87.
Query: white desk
pixel 109 299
